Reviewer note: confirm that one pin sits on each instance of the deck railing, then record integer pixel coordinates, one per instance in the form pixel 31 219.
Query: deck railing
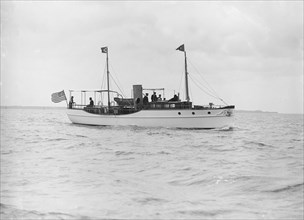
pixel 98 109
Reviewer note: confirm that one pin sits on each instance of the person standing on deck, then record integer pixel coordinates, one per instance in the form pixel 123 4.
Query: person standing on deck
pixel 154 97
pixel 146 99
pixel 71 102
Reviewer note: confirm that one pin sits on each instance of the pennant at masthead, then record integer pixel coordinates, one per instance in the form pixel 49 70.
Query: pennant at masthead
pixel 181 47
pixel 104 49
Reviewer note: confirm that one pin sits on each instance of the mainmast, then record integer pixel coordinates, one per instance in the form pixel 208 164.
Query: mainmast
pixel 182 48
pixel 105 50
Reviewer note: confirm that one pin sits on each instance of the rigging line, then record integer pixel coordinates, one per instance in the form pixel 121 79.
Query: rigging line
pixel 121 90
pixel 203 89
pixel 197 81
pixel 206 85
pixel 190 90
pixel 180 82
pixel 103 77
pixel 210 87
pixel 103 81
pixel 202 77
pixel 117 85
pixel 216 97
pixel 212 94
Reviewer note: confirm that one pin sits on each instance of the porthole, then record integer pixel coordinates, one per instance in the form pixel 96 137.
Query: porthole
pixel 179 113
pixel 209 113
pixel 193 113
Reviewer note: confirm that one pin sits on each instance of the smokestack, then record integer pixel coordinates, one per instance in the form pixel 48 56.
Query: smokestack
pixel 138 95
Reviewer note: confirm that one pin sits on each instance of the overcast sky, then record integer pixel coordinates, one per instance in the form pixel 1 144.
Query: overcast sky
pixel 250 52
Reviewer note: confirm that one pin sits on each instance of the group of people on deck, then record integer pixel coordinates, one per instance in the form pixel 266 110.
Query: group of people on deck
pixel 71 102
pixel 154 98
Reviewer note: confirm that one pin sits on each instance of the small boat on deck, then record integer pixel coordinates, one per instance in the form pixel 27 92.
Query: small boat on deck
pixel 136 111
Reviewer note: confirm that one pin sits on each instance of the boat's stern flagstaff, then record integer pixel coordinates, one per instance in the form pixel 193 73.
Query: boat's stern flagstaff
pixel 182 48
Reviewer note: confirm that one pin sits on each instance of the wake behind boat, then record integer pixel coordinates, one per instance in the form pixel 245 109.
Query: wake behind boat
pixel 138 111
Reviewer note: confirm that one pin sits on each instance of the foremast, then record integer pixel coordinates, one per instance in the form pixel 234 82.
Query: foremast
pixel 105 50
pixel 182 48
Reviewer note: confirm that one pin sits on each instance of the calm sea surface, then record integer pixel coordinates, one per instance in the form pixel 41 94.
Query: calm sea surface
pixel 53 169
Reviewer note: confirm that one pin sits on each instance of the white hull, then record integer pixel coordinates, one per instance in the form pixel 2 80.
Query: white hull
pixel 188 118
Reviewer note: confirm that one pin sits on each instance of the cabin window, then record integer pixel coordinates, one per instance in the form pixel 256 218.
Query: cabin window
pixel 158 106
pixel 152 105
pixel 172 105
pixel 166 105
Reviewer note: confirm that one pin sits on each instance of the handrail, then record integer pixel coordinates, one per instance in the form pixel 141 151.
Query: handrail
pixel 155 89
pixel 96 91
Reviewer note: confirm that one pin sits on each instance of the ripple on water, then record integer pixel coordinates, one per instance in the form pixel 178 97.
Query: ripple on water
pixel 48 167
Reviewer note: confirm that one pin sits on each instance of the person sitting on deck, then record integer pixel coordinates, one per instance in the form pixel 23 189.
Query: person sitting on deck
pixel 91 103
pixel 159 98
pixel 146 99
pixel 174 99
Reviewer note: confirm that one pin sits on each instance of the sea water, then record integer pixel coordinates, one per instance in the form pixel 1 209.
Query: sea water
pixel 53 169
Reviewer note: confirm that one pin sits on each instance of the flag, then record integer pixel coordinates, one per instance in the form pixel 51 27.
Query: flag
pixel 181 48
pixel 104 49
pixel 58 96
